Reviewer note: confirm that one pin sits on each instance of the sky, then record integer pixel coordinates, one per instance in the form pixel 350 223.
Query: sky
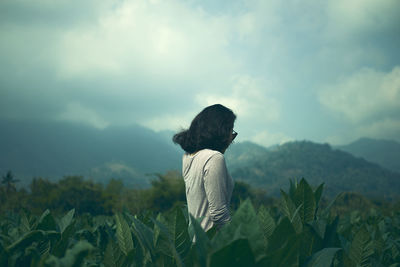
pixel 325 71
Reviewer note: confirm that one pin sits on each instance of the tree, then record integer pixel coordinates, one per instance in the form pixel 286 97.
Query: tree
pixel 9 181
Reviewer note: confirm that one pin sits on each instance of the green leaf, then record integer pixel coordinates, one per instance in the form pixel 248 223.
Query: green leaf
pixel 202 243
pixel 322 258
pixel 237 253
pixel 310 242
pixel 124 235
pixel 180 235
pixel 361 248
pixel 304 195
pixel 46 222
pixel 266 222
pixel 296 220
pixel 145 236
pixel 62 244
pixel 286 255
pixel 319 227
pixel 318 194
pixel 113 256
pixel 26 240
pixel 246 218
pixel 287 205
pixel 25 225
pixel 163 242
pixel 281 235
pixel 292 187
pixel 289 209
pixel 66 220
pixel 331 238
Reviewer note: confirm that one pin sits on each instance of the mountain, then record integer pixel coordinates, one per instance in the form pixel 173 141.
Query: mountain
pixel 272 169
pixel 384 152
pixel 56 149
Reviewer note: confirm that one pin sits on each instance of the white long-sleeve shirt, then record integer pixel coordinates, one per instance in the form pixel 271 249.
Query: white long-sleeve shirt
pixel 208 187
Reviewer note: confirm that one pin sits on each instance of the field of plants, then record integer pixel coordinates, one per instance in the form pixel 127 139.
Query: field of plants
pixel 296 232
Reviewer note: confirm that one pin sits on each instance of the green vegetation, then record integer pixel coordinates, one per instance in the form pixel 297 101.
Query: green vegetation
pixel 319 163
pixel 299 229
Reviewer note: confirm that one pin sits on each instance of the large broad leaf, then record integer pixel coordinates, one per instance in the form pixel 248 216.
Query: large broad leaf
pixel 124 235
pixel 180 234
pixel 361 248
pixel 202 243
pixel 237 253
pixel 304 196
pixel 46 222
pixel 165 248
pixel 66 220
pixel 319 227
pixel 113 256
pixel 310 242
pixel 61 246
pixel 331 238
pixel 145 236
pixel 285 256
pixel 24 225
pixel 290 210
pixel 74 257
pixel 283 232
pixel 317 196
pixel 322 258
pixel 26 240
pixel 266 222
pixel 287 205
pixel 245 218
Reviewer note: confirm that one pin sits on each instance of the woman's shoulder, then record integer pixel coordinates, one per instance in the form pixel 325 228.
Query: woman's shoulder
pixel 204 154
pixel 210 153
pixel 212 157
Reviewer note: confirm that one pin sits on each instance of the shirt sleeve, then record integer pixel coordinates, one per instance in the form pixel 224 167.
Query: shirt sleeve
pixel 216 188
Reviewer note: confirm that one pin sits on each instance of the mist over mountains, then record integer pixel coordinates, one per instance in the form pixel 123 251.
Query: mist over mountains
pixel 132 153
pixel 56 149
pixel 384 152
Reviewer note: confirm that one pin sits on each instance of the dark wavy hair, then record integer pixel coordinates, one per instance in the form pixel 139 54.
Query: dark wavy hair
pixel 211 129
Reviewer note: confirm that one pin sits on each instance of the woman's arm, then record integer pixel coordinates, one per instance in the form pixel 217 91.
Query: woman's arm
pixel 215 185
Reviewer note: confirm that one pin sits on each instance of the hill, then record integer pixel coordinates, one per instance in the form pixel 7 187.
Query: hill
pixel 318 163
pixel 56 149
pixel 384 152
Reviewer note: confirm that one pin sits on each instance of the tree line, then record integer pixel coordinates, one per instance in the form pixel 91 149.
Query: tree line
pixel 87 196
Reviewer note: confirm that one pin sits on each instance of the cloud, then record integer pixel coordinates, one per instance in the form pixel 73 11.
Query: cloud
pixel 266 138
pixel 158 63
pixel 387 128
pixel 147 38
pixel 368 102
pixel 77 113
pixel 247 96
pixel 364 95
pixel 170 122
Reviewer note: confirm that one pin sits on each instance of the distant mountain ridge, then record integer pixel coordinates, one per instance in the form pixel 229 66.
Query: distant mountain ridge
pixel 56 149
pixel 384 152
pixel 318 163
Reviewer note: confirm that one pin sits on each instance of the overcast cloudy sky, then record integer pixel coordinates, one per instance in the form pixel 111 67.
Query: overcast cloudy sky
pixel 326 71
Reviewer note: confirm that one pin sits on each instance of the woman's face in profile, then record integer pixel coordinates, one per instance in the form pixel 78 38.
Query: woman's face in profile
pixel 232 137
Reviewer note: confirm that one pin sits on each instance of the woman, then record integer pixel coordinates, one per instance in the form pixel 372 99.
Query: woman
pixel 207 181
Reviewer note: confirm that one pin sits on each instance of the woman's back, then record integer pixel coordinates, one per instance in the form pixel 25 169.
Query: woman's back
pixel 208 187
